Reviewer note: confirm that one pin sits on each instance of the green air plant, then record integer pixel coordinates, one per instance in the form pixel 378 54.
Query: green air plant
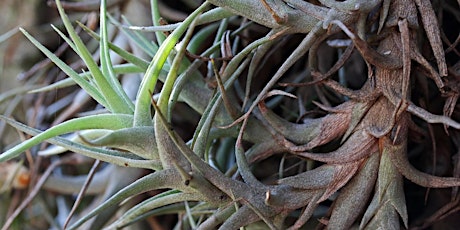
pixel 263 114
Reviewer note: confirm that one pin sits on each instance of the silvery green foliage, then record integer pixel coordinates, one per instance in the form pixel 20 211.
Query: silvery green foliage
pixel 354 154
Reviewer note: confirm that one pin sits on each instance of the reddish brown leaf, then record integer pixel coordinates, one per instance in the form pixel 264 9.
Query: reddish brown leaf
pixel 342 175
pixel 430 24
pixel 358 146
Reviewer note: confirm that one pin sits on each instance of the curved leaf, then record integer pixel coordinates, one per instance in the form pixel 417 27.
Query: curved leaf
pixel 101 121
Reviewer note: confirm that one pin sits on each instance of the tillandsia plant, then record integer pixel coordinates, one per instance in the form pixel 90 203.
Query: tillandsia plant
pixel 263 114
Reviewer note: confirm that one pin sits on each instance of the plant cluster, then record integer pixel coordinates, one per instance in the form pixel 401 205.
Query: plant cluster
pixel 244 113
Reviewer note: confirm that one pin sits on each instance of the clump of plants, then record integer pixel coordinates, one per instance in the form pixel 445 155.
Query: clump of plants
pixel 262 114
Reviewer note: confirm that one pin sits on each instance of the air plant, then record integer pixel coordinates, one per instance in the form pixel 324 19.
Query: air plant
pixel 330 95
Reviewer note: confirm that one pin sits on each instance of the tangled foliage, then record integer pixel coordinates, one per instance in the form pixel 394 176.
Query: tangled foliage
pixel 244 113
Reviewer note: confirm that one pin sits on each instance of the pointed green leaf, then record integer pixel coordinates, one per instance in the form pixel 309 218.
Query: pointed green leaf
pixel 142 113
pixel 111 156
pixel 90 89
pixel 119 69
pixel 145 44
pixel 114 101
pixel 106 62
pixel 102 121
pixel 160 200
pixel 152 181
pixel 141 63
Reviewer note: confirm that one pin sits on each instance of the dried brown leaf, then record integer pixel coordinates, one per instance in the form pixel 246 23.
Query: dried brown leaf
pixel 402 9
pixel 449 106
pixel 298 133
pixel 314 132
pixel 359 111
pixel 383 14
pixel 430 24
pixel 402 164
pixel 358 146
pixel 342 175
